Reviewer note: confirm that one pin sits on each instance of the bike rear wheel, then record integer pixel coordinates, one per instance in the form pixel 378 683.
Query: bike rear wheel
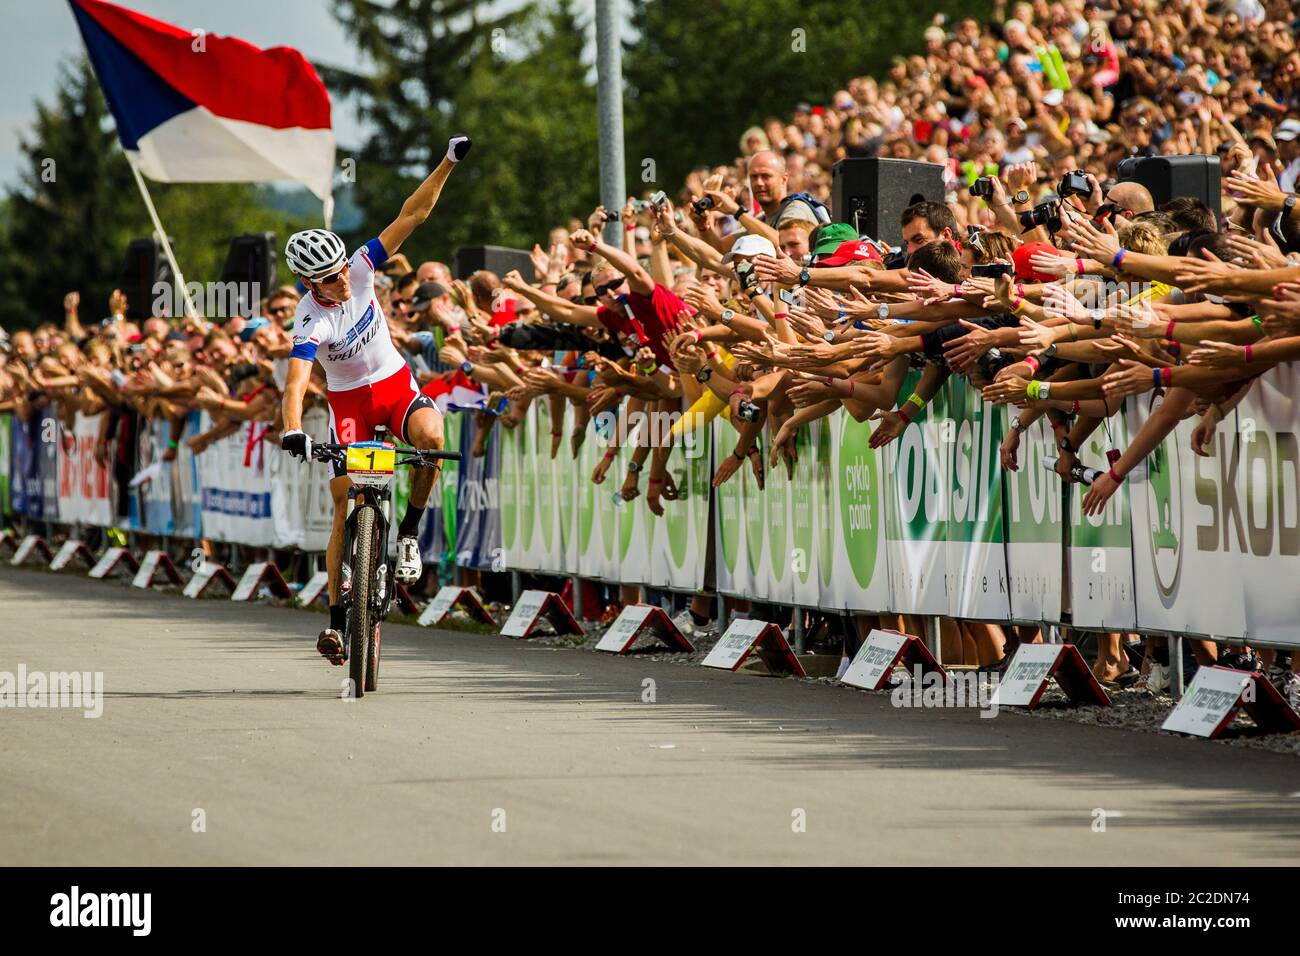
pixel 361 613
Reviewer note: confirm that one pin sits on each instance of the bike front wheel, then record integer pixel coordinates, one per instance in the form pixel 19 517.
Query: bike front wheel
pixel 363 663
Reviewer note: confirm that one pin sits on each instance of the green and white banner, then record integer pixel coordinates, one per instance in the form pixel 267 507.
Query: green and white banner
pixel 1217 538
pixel 554 519
pixel 1035 534
pixel 933 524
pixel 1176 580
pixel 1100 555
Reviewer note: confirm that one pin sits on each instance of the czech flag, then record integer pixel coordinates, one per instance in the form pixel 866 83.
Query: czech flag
pixel 196 108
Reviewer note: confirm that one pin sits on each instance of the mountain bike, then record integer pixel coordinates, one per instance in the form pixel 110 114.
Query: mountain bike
pixel 367 583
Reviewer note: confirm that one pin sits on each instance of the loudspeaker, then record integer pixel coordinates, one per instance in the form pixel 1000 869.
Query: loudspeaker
pixel 143 267
pixel 498 259
pixel 1168 177
pixel 252 264
pixel 872 193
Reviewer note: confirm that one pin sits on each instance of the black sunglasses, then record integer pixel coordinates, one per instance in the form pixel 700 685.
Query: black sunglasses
pixel 589 300
pixel 609 286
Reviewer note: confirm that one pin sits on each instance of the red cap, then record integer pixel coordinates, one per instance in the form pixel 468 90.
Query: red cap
pixel 851 251
pixel 506 314
pixel 1024 271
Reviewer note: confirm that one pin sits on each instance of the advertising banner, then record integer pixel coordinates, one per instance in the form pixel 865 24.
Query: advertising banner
pixel 235 497
pixel 85 487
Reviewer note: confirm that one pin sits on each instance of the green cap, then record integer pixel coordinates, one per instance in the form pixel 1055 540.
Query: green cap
pixel 829 238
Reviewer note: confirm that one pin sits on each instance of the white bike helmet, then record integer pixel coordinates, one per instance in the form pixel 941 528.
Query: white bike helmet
pixel 314 253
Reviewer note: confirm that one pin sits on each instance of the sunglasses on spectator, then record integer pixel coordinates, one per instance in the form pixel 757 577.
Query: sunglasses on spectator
pixel 589 299
pixel 281 308
pixel 608 287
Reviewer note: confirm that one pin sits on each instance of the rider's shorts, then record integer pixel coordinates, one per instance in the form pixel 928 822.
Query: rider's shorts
pixel 355 413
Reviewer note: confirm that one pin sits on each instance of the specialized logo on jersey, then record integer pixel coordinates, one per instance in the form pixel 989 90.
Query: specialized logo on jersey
pixel 357 336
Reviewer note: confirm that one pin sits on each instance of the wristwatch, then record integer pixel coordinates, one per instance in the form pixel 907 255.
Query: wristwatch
pixel 1021 197
pixel 1049 352
pixel 633 467
pixel 1017 424
pixel 882 311
pixel 829 336
pixel 1064 441
pixel 804 276
pixel 467 367
pixel 1288 204
pixel 727 316
pixel 1044 390
pixel 703 374
pixel 1096 315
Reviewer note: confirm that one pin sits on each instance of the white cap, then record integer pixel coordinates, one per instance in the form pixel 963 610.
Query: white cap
pixel 751 244
pixel 1287 130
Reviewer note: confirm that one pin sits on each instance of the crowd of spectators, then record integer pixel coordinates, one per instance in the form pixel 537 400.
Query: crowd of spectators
pixel 1041 276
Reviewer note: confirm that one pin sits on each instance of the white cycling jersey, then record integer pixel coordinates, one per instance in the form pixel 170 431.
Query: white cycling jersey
pixel 358 349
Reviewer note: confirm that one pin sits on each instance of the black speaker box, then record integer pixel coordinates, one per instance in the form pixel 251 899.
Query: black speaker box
pixel 1167 177
pixel 143 266
pixel 498 259
pixel 253 264
pixel 872 193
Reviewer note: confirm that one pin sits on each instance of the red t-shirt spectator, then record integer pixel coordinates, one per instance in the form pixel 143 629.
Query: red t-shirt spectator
pixel 653 315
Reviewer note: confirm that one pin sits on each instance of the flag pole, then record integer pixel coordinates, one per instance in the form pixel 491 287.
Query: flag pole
pixel 162 237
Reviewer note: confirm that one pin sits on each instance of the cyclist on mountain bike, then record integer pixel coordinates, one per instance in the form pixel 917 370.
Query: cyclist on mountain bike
pixel 368 383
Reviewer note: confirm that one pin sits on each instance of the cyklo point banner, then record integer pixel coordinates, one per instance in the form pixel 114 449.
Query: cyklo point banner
pixel 933 524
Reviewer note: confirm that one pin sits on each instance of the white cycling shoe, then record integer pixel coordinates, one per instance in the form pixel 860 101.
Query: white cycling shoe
pixel 409 565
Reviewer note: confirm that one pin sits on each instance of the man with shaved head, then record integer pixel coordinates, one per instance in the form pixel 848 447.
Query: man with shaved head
pixel 768 181
pixel 768 178
pixel 1130 199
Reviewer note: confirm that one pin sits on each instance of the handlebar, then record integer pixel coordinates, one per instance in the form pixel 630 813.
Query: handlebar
pixel 335 451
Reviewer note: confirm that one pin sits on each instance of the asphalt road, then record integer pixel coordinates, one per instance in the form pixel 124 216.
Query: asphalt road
pixel 483 750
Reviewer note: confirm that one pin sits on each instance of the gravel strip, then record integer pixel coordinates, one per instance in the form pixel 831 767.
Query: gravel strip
pixel 1130 709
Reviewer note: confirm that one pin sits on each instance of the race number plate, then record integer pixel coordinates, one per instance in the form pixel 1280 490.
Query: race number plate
pixel 371 462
